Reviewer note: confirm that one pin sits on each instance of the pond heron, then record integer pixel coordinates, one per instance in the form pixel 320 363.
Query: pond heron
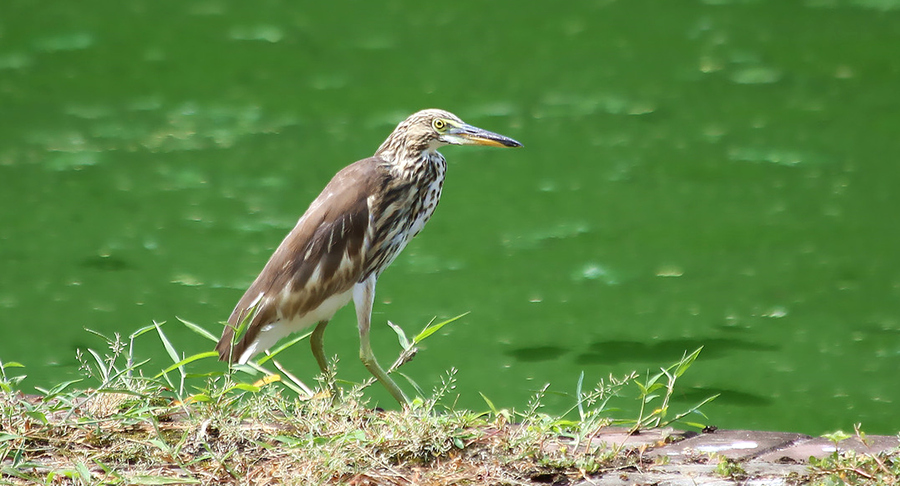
pixel 350 234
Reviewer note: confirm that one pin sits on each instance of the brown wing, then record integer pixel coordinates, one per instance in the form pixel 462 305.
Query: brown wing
pixel 322 256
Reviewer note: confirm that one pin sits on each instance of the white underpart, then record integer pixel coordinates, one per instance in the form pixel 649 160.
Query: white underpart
pixel 271 333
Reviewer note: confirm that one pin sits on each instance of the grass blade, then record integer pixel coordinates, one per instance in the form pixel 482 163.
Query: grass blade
pixel 489 403
pixel 433 328
pixel 578 395
pixel 404 341
pixel 199 330
pixel 686 362
pixel 281 348
pixel 141 331
pixel 158 480
pixel 189 359
pixel 166 343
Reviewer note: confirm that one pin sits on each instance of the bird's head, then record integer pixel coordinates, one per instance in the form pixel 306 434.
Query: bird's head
pixel 426 130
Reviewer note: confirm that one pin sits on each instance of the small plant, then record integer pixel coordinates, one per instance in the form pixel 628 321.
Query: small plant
pixel 650 387
pixel 849 468
pixel 8 383
pixel 730 469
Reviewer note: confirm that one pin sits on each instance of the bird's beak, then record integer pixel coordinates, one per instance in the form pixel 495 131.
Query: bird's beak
pixel 466 134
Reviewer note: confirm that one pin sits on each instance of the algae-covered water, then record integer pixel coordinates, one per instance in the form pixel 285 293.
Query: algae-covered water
pixel 716 173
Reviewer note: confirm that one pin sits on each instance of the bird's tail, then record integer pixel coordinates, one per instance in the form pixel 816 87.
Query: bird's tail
pixel 225 347
pixel 240 320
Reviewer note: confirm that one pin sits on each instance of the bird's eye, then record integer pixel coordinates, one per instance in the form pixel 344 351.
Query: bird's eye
pixel 439 124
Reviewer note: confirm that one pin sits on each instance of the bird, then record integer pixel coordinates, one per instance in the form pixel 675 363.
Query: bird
pixel 348 236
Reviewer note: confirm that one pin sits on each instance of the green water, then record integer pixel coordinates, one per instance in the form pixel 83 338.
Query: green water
pixel 709 173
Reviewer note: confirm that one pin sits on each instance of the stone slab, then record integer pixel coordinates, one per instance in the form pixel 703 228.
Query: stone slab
pixel 621 437
pixel 819 447
pixel 736 445
pixel 766 458
pixel 695 474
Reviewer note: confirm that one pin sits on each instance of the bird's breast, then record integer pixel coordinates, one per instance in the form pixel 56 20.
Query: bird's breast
pixel 402 214
pixel 429 200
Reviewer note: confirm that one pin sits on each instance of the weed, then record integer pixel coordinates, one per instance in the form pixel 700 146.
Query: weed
pixel 846 467
pixel 730 469
pixel 252 424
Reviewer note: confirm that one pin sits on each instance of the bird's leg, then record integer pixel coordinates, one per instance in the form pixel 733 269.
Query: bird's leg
pixel 363 297
pixel 317 343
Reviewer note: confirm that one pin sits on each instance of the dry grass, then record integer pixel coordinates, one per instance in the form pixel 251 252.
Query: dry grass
pixel 111 438
pixel 137 429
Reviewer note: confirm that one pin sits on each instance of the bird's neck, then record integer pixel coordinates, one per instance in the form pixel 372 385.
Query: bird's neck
pixel 424 164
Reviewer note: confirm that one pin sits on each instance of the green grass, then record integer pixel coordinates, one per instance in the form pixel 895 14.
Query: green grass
pixel 135 422
pixel 846 467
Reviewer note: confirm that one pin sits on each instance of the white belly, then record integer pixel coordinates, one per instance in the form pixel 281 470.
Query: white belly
pixel 271 333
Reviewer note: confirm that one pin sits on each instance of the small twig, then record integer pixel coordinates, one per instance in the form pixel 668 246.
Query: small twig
pixel 857 471
pixel 881 464
pixel 293 378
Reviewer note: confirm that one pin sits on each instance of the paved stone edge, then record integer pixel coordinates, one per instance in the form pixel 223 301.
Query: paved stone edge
pixel 686 459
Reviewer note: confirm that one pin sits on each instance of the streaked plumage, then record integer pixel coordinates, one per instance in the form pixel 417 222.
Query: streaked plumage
pixel 350 234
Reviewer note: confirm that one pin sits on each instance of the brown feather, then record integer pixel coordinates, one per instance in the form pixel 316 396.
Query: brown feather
pixel 334 225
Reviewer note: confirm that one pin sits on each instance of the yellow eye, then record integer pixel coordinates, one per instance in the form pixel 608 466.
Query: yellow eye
pixel 439 124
